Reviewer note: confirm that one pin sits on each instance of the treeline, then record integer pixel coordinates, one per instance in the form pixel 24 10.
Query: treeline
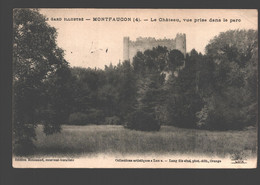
pixel 212 91
pixel 102 96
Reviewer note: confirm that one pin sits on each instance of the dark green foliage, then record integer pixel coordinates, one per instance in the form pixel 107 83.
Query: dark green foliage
pixel 183 99
pixel 78 118
pixel 233 96
pixel 86 83
pixel 40 79
pixel 127 89
pixel 119 90
pixel 151 61
pixel 92 117
pixel 114 120
pixel 58 98
pixel 176 60
pixel 111 91
pixel 140 120
pixel 24 133
pixel 149 94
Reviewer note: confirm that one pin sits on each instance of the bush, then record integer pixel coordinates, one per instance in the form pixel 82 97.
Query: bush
pixel 114 120
pixel 23 140
pixel 96 116
pixel 80 118
pixel 202 117
pixel 219 115
pixel 225 120
pixel 140 120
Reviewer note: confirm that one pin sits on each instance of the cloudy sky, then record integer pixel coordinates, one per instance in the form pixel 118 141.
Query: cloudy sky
pixel 92 44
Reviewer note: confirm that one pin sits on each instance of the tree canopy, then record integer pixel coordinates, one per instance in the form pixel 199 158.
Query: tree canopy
pixel 39 77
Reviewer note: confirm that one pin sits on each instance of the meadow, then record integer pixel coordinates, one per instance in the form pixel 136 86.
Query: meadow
pixel 95 139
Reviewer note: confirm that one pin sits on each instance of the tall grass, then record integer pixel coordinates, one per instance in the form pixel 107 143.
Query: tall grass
pixel 93 139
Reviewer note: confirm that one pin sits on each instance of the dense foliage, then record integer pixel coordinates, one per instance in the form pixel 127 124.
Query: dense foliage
pixel 212 91
pixel 144 121
pixel 232 101
pixel 40 79
pixel 103 95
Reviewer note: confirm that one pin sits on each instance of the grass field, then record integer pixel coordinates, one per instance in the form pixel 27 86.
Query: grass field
pixel 94 139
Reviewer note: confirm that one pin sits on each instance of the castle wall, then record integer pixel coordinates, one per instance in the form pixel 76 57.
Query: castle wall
pixel 130 48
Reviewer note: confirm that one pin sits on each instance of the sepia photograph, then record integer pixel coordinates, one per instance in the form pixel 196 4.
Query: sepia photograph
pixel 135 88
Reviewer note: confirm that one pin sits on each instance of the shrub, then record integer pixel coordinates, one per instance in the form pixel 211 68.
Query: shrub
pixel 202 117
pixel 23 140
pixel 80 118
pixel 114 120
pixel 96 116
pixel 140 120
pixel 219 115
pixel 225 120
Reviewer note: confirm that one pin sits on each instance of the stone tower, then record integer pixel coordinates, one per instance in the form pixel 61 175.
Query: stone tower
pixel 130 48
pixel 181 43
pixel 126 48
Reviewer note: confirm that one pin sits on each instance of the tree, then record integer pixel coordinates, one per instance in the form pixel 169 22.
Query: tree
pixel 110 91
pixel 126 88
pixel 232 102
pixel 38 67
pixel 176 60
pixel 183 99
pixel 148 66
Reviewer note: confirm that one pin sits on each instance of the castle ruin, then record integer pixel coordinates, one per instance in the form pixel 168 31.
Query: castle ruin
pixel 130 48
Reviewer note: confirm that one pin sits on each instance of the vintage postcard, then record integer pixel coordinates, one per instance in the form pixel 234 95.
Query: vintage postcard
pixel 135 88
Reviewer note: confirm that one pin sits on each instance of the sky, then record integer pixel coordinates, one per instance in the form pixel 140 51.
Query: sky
pixel 93 44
